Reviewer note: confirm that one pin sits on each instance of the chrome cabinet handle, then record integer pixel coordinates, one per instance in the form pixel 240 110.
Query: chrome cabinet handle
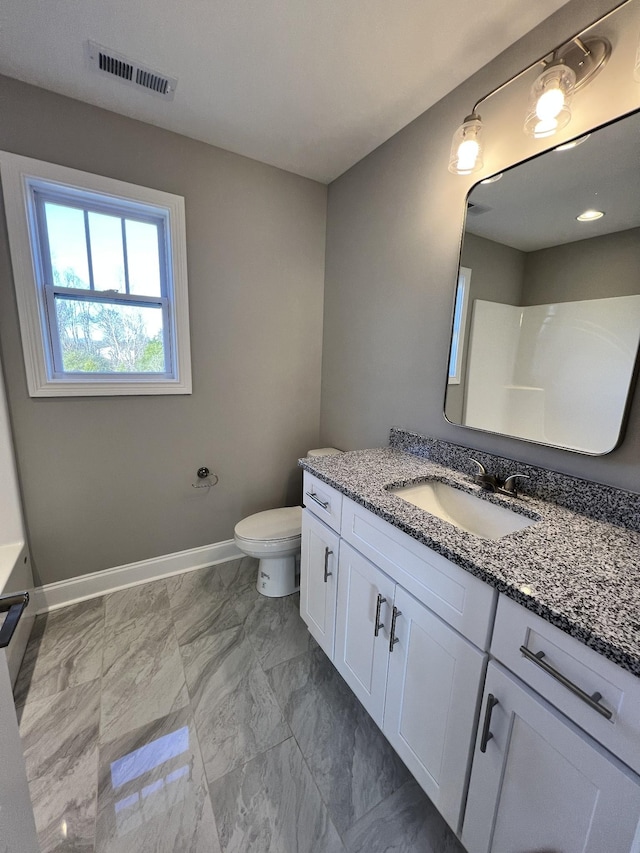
pixel 486 727
pixel 392 637
pixel 592 701
pixel 314 497
pixel 15 605
pixel 378 624
pixel 327 573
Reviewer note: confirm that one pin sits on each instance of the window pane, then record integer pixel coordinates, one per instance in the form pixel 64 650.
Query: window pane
pixel 457 321
pixel 98 337
pixel 107 256
pixel 142 258
pixel 67 245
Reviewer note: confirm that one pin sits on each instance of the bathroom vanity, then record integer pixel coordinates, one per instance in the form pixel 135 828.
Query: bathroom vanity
pixel 505 672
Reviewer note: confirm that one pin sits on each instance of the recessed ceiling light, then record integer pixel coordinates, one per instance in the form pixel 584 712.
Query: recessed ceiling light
pixel 590 215
pixel 573 144
pixel 493 179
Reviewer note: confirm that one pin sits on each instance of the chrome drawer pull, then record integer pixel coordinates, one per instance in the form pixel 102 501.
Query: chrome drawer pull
pixel 327 573
pixel 486 728
pixel 314 497
pixel 378 624
pixel 392 637
pixel 592 701
pixel 13 606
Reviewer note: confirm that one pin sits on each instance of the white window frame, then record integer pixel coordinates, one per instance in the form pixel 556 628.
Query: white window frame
pixel 458 334
pixel 21 176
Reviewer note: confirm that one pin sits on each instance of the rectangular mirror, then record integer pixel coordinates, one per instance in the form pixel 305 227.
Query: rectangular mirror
pixel 547 310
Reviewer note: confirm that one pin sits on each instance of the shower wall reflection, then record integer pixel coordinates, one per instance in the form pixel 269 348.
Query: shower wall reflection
pixel 560 372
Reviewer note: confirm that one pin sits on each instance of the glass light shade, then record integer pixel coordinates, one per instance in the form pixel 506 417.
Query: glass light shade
pixel 466 147
pixel 549 101
pixel 590 215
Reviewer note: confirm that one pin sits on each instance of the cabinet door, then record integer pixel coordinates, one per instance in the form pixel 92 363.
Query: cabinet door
pixel 365 598
pixel 542 784
pixel 433 690
pixel 319 580
pixel 17 823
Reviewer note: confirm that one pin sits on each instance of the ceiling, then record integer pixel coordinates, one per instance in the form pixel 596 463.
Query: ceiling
pixel 311 87
pixel 534 205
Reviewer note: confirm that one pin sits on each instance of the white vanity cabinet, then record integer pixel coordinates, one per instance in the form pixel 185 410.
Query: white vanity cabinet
pixel 540 784
pixel 319 560
pixel 395 646
pixel 433 689
pixel 541 779
pixel 364 614
pixel 319 580
pixel 419 679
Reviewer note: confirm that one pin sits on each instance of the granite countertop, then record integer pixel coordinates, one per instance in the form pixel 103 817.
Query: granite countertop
pixel 579 573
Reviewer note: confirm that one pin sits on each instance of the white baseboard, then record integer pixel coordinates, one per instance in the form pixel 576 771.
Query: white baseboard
pixel 51 596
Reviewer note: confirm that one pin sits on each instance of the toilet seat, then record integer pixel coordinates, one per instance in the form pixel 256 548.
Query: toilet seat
pixel 272 525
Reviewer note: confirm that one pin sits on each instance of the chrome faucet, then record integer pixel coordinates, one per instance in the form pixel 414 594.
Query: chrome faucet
pixel 494 484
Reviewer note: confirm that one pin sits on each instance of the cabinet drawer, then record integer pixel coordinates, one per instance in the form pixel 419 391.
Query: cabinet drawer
pixel 322 500
pixel 462 600
pixel 579 665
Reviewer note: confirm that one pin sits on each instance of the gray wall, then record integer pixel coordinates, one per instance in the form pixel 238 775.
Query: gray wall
pixel 588 269
pixel 107 481
pixel 497 271
pixel 394 225
pixel 497 274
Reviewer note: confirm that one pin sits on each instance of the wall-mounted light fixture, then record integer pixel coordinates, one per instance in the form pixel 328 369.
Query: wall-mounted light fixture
pixel 566 70
pixel 570 68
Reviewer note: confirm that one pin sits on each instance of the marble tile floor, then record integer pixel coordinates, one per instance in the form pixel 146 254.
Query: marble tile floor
pixel 192 715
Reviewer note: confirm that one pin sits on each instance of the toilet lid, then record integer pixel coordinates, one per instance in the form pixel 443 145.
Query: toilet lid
pixel 284 523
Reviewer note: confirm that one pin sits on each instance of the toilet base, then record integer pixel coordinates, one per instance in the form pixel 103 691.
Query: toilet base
pixel 277 576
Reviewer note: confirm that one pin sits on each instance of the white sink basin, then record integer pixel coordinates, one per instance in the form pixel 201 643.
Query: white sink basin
pixel 464 510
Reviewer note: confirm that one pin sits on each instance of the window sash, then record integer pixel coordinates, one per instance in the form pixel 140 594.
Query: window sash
pixel 50 290
pixel 123 212
pixel 112 298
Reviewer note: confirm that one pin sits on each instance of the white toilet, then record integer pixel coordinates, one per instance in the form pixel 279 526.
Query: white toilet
pixel 274 538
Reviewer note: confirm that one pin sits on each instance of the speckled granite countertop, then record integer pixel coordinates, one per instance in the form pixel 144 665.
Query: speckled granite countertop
pixel 580 573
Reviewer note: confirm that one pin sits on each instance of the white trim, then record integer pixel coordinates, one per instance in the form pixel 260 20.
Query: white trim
pixel 460 334
pixel 16 171
pixel 55 595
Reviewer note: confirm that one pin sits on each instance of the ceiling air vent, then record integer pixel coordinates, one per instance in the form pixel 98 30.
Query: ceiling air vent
pixel 105 61
pixel 475 208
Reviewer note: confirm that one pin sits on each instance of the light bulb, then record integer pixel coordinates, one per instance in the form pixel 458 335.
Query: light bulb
pixel 550 103
pixel 466 147
pixel 549 100
pixel 467 155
